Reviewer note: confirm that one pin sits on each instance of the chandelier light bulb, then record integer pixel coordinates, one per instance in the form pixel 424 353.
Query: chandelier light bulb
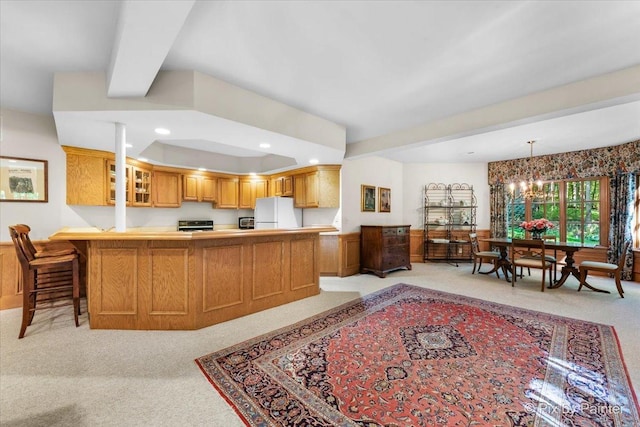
pixel 532 189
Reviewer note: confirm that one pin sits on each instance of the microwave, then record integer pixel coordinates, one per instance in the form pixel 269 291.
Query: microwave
pixel 245 222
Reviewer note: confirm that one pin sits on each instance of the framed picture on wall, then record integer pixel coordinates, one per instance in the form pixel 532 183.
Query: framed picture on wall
pixel 368 203
pixel 23 180
pixel 384 198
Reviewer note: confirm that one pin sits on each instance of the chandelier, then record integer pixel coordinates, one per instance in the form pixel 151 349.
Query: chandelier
pixel 532 189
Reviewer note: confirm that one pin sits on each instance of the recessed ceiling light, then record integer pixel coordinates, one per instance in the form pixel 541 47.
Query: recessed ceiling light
pixel 202 169
pixel 314 161
pixel 162 131
pixel 265 145
pixel 143 159
pixel 128 145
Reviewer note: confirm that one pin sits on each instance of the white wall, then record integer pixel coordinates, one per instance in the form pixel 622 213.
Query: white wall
pixel 34 136
pixel 377 172
pixel 417 175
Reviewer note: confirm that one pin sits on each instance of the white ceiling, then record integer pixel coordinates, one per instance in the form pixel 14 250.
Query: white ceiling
pixel 378 68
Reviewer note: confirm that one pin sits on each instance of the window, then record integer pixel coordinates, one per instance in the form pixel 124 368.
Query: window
pixel 577 208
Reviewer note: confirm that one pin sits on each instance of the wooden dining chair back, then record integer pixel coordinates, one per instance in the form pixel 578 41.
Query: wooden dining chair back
pixel 47 281
pixel 553 259
pixel 605 267
pixel 526 253
pixel 479 256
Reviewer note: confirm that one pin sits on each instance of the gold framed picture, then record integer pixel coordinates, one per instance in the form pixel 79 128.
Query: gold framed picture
pixel 368 195
pixel 384 199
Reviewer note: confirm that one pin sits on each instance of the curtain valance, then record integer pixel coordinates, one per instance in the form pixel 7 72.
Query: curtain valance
pixel 606 161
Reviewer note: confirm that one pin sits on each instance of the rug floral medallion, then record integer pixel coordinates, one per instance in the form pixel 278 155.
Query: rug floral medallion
pixel 410 356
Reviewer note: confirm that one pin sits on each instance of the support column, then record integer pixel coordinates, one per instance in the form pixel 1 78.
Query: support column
pixel 121 178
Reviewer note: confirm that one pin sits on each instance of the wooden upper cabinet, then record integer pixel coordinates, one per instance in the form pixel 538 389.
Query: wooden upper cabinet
pixel 209 189
pixel 282 186
pixel 287 185
pixel 312 189
pixel 250 190
pixel 111 183
pixel 190 188
pixel 199 188
pixel 317 189
pixel 137 186
pixel 166 189
pixel 300 191
pixel 228 193
pixel 86 184
pixel 140 186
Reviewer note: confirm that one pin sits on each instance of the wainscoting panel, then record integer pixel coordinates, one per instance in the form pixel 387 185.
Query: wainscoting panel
pixel 349 254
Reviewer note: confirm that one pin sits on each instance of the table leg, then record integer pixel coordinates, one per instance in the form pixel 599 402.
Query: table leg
pixel 570 270
pixel 503 263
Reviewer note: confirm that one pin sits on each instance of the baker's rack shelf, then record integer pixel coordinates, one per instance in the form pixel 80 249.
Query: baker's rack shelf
pixel 449 216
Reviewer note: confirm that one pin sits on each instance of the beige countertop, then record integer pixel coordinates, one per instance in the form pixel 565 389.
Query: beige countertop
pixel 169 233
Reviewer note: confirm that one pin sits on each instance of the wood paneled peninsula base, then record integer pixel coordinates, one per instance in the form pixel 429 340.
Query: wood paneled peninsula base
pixel 170 280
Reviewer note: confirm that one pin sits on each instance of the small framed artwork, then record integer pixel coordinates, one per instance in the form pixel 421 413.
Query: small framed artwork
pixel 384 197
pixel 23 180
pixel 368 203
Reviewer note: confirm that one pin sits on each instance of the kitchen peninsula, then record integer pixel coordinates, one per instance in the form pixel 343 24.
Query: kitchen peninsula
pixel 173 280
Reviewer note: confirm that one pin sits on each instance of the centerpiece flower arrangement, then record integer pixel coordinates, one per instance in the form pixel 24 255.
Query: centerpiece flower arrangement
pixel 537 227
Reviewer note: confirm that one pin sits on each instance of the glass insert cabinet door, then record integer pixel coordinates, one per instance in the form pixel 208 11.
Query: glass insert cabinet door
pixel 138 185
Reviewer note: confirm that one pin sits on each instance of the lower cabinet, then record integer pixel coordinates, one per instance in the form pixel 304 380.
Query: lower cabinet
pixel 384 248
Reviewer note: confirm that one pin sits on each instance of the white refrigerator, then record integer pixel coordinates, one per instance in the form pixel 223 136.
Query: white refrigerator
pixel 276 212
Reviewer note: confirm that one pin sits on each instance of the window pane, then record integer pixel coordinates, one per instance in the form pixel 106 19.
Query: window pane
pixel 574 232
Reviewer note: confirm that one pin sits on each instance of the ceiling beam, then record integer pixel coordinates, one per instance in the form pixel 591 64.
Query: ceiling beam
pixel 145 33
pixel 603 91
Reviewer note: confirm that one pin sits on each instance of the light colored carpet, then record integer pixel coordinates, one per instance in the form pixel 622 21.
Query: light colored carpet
pixel 59 375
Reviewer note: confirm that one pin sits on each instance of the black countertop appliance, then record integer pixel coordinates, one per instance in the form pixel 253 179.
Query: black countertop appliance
pixel 245 222
pixel 195 225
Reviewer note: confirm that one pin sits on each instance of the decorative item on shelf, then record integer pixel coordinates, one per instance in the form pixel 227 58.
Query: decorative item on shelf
pixel 537 227
pixel 464 218
pixel 442 221
pixel 534 189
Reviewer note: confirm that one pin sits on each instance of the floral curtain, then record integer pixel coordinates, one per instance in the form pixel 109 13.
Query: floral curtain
pixel 607 161
pixel 498 209
pixel 621 192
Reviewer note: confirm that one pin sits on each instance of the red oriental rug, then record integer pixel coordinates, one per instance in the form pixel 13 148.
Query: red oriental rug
pixel 409 356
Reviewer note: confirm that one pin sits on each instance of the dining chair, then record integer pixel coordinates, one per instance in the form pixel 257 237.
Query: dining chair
pixel 526 253
pixel 47 279
pixel 605 267
pixel 479 256
pixel 553 259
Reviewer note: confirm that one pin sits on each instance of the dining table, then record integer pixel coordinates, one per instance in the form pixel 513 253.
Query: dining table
pixel 568 269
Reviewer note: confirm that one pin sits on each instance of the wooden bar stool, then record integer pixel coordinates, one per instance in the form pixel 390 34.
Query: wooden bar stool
pixel 48 278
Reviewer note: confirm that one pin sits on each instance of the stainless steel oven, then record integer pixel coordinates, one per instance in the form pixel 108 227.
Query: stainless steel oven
pixel 195 225
pixel 245 222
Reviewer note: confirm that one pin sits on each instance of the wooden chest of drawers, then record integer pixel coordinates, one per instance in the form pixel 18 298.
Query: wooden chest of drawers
pixel 384 248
